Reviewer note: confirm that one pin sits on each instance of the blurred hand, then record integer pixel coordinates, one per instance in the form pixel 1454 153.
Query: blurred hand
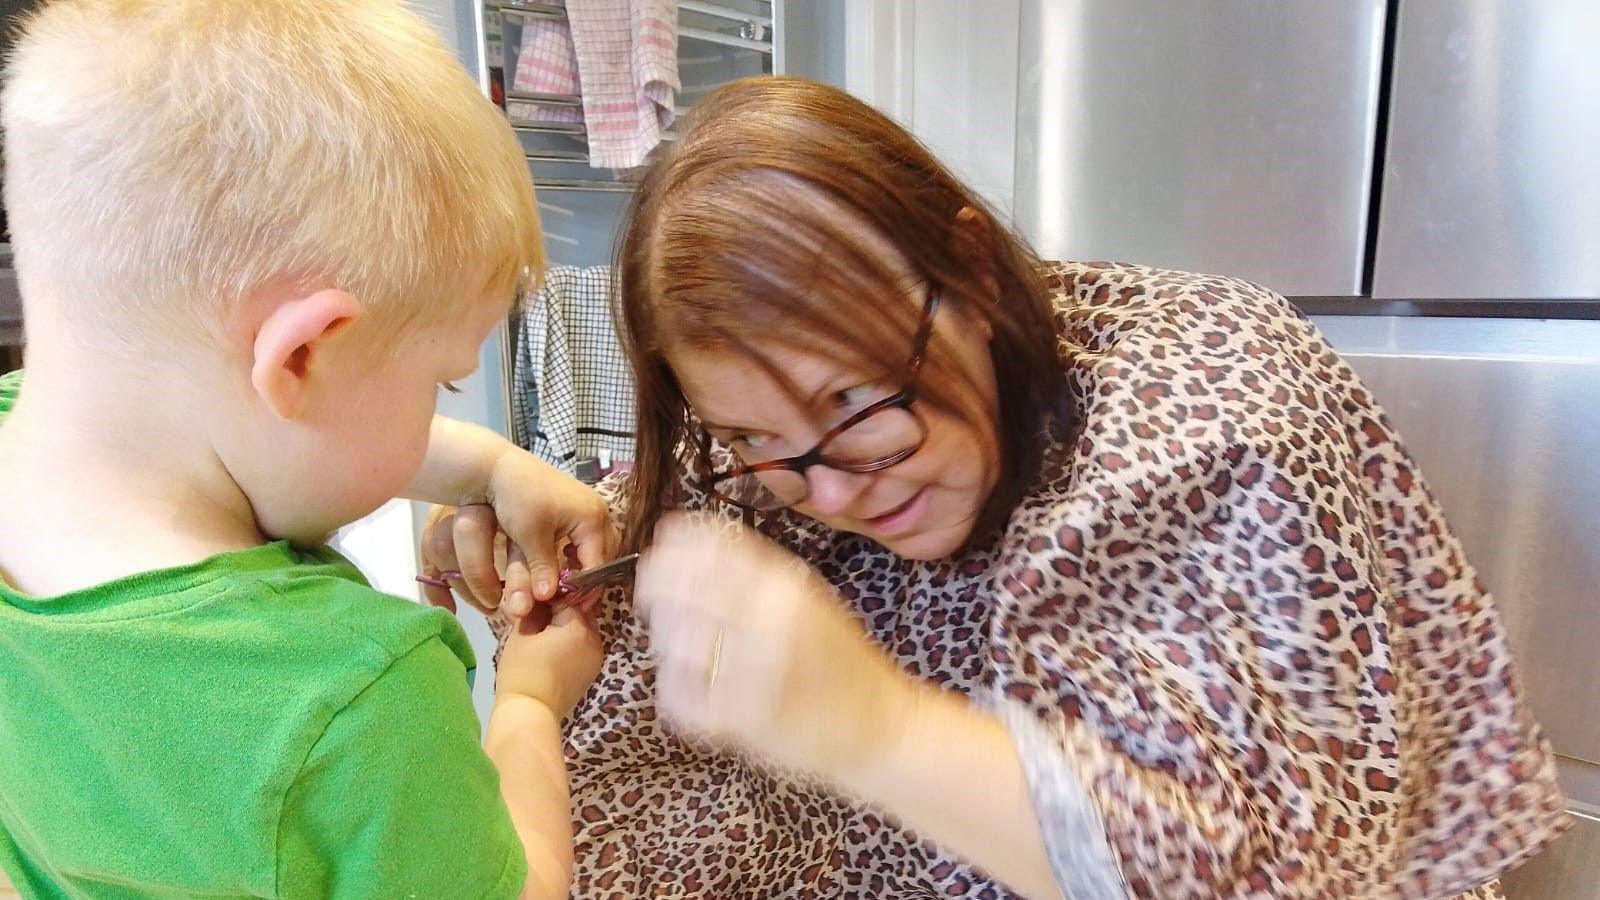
pixel 793 677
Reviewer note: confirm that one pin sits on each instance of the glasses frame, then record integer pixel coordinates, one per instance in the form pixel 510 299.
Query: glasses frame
pixel 901 399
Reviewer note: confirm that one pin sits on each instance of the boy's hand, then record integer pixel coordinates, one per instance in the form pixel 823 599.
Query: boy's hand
pixel 502 488
pixel 555 666
pixel 538 509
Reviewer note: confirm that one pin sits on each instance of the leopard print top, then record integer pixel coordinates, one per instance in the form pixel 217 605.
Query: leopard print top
pixel 1240 651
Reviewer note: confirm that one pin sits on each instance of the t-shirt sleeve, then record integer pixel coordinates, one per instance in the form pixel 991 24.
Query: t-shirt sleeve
pixel 10 386
pixel 397 799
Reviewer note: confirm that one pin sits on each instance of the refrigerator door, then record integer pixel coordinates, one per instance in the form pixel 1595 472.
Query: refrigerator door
pixel 1239 141
pixel 1491 181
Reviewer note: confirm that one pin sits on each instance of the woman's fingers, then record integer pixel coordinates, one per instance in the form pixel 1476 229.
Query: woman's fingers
pixel 720 665
pixel 474 534
pixel 434 594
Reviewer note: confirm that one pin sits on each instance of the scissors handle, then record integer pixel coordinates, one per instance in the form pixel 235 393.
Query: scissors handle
pixel 443 579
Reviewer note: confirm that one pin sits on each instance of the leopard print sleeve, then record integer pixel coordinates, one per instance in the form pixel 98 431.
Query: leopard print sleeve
pixel 1240 651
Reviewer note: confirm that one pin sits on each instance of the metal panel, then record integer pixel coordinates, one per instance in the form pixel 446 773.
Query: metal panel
pixel 1491 183
pixel 1501 415
pixel 1569 870
pixel 813 40
pixel 1239 140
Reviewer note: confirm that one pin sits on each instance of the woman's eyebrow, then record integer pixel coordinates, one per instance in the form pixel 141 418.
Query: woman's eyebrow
pixel 714 426
pixel 829 386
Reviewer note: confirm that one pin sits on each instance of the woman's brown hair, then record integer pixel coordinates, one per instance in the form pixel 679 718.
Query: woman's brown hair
pixel 766 225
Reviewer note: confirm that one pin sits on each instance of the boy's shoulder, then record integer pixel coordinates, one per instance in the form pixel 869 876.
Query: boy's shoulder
pixel 324 602
pixel 218 688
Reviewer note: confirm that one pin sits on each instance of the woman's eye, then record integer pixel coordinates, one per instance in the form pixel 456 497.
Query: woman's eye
pixel 752 442
pixel 449 387
pixel 857 396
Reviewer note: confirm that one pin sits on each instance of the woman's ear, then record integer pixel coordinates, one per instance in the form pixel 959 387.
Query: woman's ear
pixel 973 244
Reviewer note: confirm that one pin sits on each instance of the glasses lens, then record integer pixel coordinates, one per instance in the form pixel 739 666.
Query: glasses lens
pixel 891 433
pixel 763 490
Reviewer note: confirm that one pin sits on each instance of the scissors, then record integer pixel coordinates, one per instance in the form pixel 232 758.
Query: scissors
pixel 575 588
pixel 583 586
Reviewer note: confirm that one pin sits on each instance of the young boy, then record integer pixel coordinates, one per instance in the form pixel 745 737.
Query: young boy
pixel 253 238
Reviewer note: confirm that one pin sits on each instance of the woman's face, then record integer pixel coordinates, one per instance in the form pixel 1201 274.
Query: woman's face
pixel 921 508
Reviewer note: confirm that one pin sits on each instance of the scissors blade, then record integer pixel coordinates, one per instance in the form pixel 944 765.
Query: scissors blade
pixel 618 571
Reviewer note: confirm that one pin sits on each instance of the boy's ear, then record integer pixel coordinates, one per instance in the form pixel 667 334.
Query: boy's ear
pixel 289 343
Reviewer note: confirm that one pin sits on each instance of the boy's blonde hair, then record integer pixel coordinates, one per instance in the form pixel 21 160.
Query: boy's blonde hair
pixel 165 158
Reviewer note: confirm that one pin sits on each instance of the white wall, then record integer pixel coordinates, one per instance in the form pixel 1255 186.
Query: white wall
pixel 483 398
pixel 947 71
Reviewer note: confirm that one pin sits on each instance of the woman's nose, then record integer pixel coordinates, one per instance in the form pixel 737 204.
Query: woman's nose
pixel 830 492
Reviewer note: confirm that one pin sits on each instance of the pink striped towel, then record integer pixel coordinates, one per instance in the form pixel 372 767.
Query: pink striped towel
pixel 621 56
pixel 546 64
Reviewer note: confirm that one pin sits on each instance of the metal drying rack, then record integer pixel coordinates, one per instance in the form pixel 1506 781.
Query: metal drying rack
pixel 756 33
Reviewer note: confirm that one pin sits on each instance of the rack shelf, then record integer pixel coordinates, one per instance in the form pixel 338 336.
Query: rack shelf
pixel 567 128
pixel 543 99
pixel 582 184
pixel 724 12
pixel 726 40
pixel 560 156
pixel 759 25
pixel 543 10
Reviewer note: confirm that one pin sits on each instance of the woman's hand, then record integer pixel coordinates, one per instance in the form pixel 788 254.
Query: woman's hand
pixel 755 651
pixel 539 509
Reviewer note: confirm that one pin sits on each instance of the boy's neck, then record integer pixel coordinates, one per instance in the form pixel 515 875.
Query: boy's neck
pixel 106 473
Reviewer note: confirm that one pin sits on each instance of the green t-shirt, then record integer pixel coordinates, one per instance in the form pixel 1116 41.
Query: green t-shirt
pixel 261 724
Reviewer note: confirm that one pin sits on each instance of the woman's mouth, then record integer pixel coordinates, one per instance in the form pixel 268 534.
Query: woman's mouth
pixel 899 520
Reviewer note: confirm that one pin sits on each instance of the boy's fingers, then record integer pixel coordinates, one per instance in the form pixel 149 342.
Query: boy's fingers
pixel 518 597
pixel 543 570
pixel 475 531
pixel 596 541
pixel 590 620
pixel 535 621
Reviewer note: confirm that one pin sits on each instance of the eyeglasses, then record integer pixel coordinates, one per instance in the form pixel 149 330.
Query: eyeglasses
pixel 884 433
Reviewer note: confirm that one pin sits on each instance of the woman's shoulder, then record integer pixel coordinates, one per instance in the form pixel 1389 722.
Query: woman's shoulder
pixel 1175 374
pixel 1100 304
pixel 1116 283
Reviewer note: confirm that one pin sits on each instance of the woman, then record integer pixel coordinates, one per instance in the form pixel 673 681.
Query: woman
pixel 1087 581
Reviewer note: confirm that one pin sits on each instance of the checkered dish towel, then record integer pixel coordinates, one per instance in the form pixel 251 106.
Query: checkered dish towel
pixel 573 389
pixel 621 57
